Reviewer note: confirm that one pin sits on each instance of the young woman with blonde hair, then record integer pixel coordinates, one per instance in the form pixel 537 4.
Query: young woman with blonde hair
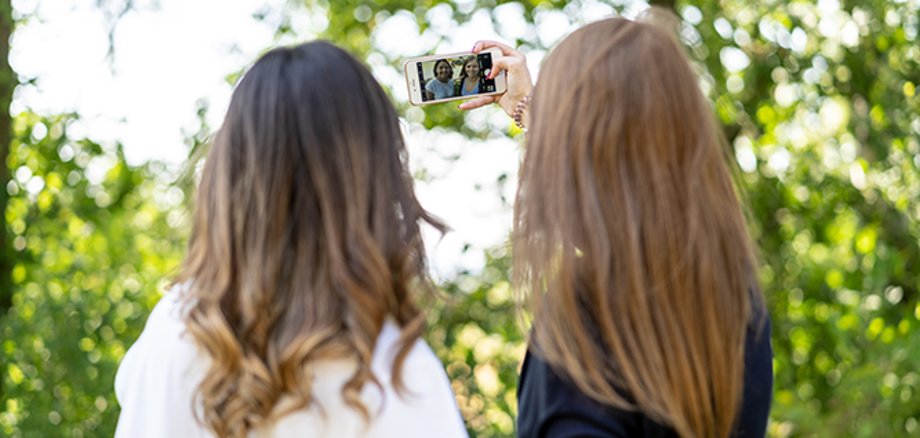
pixel 293 314
pixel 631 240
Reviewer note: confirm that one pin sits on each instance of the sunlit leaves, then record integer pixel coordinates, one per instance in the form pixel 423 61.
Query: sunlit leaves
pixel 92 250
pixel 829 141
pixel 476 333
pixel 819 102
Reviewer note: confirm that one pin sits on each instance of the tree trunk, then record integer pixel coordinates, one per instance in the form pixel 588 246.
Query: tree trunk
pixel 8 82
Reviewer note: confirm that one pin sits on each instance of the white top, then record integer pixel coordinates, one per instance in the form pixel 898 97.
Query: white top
pixel 440 89
pixel 160 373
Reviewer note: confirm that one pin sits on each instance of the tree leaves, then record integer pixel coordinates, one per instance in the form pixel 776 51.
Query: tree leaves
pixel 821 110
pixel 93 247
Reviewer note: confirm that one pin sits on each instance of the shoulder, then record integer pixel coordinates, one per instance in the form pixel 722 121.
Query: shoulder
pixel 550 405
pixel 420 355
pixel 167 314
pixel 422 371
pixel 156 379
pixel 758 378
pixel 758 359
pixel 163 340
pixel 428 405
pixel 165 330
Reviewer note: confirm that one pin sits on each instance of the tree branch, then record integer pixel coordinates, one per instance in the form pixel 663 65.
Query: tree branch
pixel 669 4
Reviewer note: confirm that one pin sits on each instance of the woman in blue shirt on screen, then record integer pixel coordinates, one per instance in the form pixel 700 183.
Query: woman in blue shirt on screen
pixel 470 77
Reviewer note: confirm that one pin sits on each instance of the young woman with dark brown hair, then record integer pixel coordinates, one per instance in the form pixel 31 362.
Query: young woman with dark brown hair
pixel 443 84
pixel 631 241
pixel 293 314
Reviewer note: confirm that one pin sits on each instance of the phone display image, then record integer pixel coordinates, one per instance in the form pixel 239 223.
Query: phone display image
pixel 449 77
pixel 456 77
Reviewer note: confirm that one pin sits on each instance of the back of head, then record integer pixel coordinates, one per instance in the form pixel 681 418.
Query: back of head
pixel 306 235
pixel 627 218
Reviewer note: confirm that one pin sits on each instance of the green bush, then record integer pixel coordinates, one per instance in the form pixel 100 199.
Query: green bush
pixel 821 109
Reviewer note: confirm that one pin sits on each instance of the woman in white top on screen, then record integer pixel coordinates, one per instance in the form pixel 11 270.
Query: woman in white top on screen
pixel 293 314
pixel 443 84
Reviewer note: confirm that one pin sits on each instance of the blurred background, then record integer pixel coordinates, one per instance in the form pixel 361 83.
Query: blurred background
pixel 110 100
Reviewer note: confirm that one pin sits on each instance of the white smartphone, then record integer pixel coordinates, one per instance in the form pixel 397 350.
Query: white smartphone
pixel 454 76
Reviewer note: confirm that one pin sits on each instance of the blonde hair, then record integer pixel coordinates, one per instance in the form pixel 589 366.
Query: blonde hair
pixel 306 238
pixel 629 235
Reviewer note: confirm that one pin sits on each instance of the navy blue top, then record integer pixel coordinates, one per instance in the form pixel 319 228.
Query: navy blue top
pixel 551 406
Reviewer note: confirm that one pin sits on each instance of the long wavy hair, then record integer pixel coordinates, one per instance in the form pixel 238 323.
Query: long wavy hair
pixel 305 237
pixel 629 236
pixel 462 76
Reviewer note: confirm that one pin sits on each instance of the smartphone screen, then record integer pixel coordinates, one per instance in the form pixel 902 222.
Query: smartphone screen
pixel 455 76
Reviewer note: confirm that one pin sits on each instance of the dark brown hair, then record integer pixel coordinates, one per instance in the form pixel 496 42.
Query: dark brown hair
pixel 305 239
pixel 434 70
pixel 629 235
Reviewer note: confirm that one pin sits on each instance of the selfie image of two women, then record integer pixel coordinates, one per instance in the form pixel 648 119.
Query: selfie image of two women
pixel 455 77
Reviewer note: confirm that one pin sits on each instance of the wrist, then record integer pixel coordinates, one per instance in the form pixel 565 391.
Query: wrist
pixel 519 111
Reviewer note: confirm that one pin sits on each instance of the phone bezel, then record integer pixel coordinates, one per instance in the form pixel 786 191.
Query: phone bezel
pixel 415 88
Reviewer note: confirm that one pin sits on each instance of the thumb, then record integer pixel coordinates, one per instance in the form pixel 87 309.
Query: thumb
pixel 478 102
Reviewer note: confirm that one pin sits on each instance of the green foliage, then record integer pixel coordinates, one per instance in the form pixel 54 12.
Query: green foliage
pixel 94 242
pixel 824 122
pixel 820 106
pixel 476 333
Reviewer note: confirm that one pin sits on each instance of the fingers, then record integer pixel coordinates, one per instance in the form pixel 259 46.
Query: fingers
pixel 486 44
pixel 509 60
pixel 512 62
pixel 478 102
pixel 505 63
